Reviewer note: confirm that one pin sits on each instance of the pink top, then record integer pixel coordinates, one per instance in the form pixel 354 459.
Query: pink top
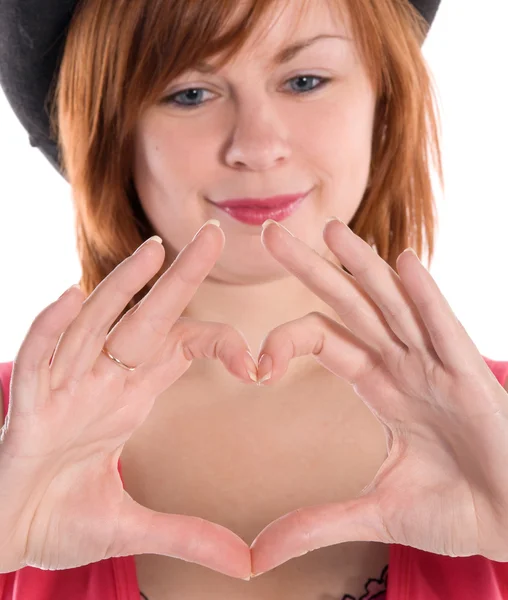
pixel 413 574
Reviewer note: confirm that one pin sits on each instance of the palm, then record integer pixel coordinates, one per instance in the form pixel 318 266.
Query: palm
pixel 423 501
pixel 430 488
pixel 76 518
pixel 420 493
pixel 77 511
pixel 73 452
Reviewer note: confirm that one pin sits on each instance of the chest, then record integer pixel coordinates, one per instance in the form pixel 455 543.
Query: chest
pixel 244 457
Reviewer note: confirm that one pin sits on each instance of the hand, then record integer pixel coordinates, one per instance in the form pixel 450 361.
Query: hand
pixel 62 502
pixel 444 485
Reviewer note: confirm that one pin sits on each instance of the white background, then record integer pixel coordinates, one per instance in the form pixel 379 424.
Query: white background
pixel 467 50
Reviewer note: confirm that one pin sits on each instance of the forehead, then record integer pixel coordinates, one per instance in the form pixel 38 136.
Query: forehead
pixel 286 21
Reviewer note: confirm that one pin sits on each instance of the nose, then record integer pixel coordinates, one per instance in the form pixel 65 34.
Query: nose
pixel 259 140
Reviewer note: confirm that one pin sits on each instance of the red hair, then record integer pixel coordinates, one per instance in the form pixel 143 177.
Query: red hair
pixel 118 59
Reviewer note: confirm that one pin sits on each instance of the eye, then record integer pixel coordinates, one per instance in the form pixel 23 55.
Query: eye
pixel 189 93
pixel 193 94
pixel 306 78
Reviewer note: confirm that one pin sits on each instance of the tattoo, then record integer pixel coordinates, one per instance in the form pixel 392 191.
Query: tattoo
pixel 375 589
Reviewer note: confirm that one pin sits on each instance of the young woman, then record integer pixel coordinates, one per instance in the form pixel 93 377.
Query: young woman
pixel 128 468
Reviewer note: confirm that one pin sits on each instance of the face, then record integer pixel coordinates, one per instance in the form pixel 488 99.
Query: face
pixel 257 130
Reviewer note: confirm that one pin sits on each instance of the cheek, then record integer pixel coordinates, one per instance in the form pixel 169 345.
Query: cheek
pixel 159 156
pixel 171 177
pixel 168 164
pixel 338 140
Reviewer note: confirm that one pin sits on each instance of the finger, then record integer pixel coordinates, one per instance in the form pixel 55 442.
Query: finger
pixel 331 344
pixel 314 527
pixel 138 337
pixel 31 370
pixel 144 531
pixel 192 339
pixel 382 284
pixel 336 287
pixel 342 353
pixel 449 338
pixel 77 350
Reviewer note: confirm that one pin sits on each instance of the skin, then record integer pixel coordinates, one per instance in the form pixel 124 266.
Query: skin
pixel 441 489
pixel 246 139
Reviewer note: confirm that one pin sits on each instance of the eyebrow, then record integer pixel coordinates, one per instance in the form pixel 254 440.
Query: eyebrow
pixel 283 56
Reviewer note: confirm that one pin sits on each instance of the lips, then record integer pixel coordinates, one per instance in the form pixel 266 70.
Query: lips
pixel 252 211
pixel 275 202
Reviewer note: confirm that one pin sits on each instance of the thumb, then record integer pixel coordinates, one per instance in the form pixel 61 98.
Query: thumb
pixel 313 527
pixel 144 531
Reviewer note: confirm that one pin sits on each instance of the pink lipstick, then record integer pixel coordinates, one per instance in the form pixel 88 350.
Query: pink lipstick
pixel 255 211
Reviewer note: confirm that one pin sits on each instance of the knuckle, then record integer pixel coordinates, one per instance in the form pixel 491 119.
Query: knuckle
pixel 316 316
pixel 184 350
pixel 220 347
pixel 390 312
pixel 121 293
pixel 231 333
pixel 119 286
pixel 318 320
pixel 158 324
pixel 187 277
pixel 88 327
pixel 348 305
pixel 362 269
pixel 180 325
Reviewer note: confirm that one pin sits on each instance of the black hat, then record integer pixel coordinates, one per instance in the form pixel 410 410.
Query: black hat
pixel 32 35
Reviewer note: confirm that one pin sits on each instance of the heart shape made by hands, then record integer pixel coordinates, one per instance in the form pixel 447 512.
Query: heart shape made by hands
pixel 442 487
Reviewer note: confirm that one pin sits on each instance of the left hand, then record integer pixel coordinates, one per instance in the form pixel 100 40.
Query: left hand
pixel 444 486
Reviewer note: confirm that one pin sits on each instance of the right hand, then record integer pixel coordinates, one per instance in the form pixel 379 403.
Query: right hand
pixel 62 502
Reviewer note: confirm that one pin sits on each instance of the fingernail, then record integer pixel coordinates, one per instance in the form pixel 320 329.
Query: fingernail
pixel 330 219
pixel 209 222
pixel 156 238
pixel 411 251
pixel 267 222
pixel 265 368
pixel 250 363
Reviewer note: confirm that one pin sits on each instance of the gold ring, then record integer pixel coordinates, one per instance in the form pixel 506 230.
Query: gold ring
pixel 118 362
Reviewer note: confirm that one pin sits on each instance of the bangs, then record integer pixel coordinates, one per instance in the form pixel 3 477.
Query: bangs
pixel 181 35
